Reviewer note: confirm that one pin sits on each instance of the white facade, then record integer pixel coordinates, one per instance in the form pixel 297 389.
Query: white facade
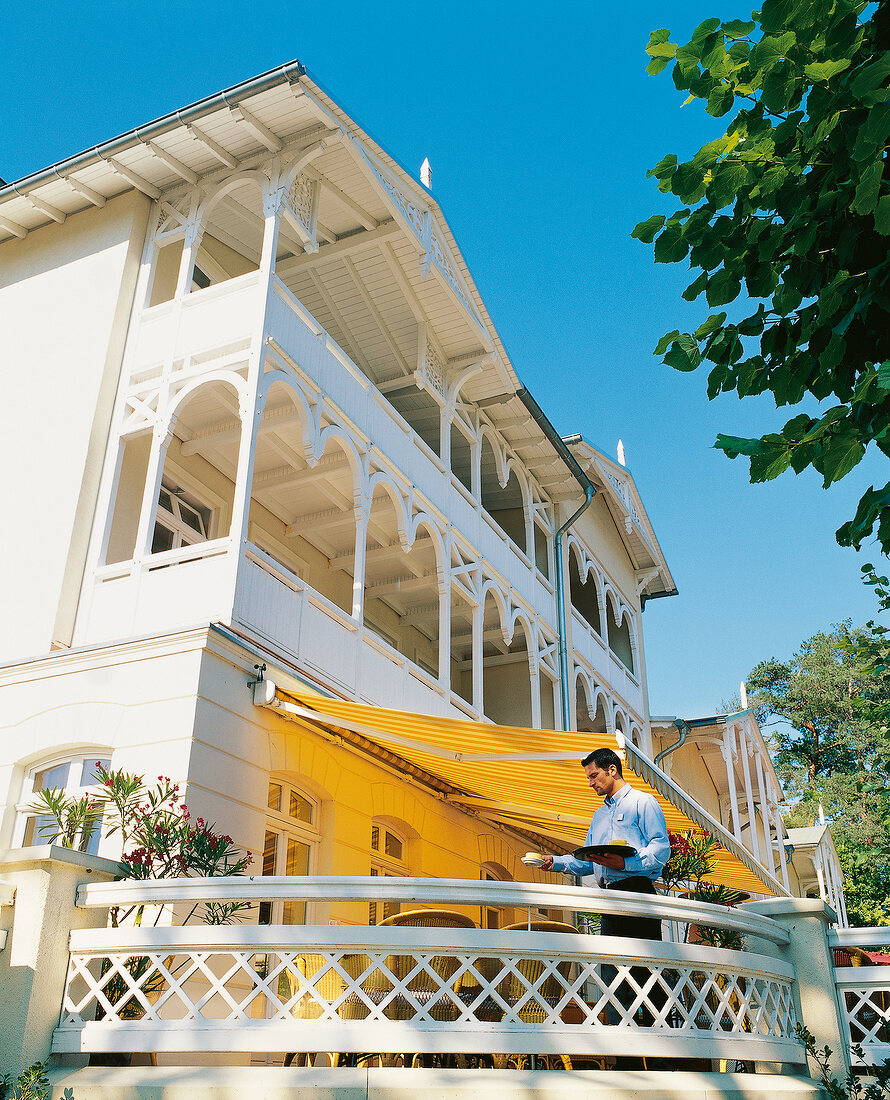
pixel 271 398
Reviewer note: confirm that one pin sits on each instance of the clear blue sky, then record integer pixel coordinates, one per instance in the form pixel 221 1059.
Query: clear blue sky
pixel 540 124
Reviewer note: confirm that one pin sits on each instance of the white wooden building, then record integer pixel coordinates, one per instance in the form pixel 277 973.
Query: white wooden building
pixel 259 425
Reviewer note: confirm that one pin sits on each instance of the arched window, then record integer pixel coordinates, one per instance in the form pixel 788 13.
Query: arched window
pixel 76 776
pixel 289 849
pixel 619 640
pixel 388 849
pixel 583 592
pixel 493 916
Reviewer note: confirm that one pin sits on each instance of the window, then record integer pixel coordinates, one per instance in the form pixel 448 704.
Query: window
pixel 76 776
pixel 291 836
pixel 493 916
pixel 181 520
pixel 388 861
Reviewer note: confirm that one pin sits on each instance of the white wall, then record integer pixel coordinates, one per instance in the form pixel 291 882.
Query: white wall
pixel 65 297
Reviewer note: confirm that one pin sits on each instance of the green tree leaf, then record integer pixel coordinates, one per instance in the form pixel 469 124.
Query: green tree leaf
pixel 825 70
pixel 683 354
pixel 792 203
pixel 738 28
pixel 647 230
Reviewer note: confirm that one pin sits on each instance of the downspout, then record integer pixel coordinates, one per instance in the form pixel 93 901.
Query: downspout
pixel 589 492
pixel 683 727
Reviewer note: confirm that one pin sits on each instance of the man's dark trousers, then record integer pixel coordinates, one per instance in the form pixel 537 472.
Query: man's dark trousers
pixel 641 928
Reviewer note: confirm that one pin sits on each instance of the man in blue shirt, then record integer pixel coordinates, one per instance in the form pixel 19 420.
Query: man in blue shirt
pixel 634 817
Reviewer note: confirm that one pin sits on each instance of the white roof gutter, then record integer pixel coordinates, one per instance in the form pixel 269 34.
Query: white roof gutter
pixel 290 73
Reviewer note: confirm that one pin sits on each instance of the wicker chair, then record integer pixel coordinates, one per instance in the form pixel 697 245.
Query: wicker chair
pixel 422 987
pixel 513 990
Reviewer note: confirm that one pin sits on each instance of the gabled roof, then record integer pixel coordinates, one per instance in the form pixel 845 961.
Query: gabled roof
pixel 618 488
pixel 242 125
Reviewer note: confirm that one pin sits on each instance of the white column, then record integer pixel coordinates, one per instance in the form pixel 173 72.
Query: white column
pixel 769 855
pixel 823 892
pixel 729 753
pixel 444 587
pixel 780 836
pixel 446 414
pixel 744 749
pixel 534 676
pixel 362 518
pixel 478 617
pixel 252 404
pixel 194 234
pixel 161 437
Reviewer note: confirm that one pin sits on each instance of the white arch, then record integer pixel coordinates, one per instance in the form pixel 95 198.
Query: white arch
pixel 228 378
pixel 380 479
pixel 502 603
pixel 498 450
pixel 423 519
pixel 337 434
pixel 230 183
pixel 529 628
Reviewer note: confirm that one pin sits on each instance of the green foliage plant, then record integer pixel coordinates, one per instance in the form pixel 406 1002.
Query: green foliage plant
pixel 854 1086
pixel 825 712
pixel 691 861
pixel 157 835
pixel 158 840
pixel 31 1084
pixel 792 207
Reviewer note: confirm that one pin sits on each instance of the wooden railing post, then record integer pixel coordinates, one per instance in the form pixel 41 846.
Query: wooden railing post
pixel 815 991
pixel 34 964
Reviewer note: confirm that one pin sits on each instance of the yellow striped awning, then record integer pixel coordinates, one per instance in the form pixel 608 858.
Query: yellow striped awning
pixel 527 778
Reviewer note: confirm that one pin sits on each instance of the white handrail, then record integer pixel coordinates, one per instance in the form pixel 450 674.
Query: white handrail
pixel 859 937
pixel 466 892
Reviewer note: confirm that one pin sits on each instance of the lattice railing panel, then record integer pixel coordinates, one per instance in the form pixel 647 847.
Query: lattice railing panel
pixel 865 996
pixel 161 991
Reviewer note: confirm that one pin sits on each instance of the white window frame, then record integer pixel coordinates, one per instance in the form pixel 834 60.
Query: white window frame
pixel 171 518
pixel 385 866
pixel 75 762
pixel 287 828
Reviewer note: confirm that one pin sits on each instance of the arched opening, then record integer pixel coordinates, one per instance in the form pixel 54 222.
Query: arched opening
pixel 461 456
pixel 422 412
pixel 232 239
pixel 506 505
pixel 196 495
pixel 493 916
pixel 401 588
pixel 583 592
pixel 291 844
pixel 589 718
pixel 619 639
pixel 506 684
pixel 302 515
pixel 389 859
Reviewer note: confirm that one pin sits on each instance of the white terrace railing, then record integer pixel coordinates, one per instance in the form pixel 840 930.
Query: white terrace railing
pixel 864 992
pixel 463 991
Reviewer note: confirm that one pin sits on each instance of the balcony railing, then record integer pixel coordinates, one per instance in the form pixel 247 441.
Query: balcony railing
pixel 864 991
pixel 452 990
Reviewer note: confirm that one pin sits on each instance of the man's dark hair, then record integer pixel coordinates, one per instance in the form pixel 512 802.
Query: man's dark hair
pixel 604 759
